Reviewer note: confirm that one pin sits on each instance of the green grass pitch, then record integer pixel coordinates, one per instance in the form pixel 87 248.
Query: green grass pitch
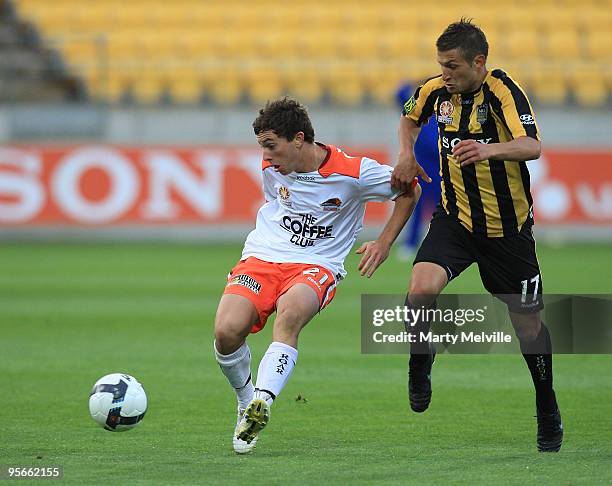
pixel 72 313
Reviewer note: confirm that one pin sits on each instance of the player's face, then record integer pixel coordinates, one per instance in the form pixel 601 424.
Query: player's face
pixel 279 152
pixel 459 75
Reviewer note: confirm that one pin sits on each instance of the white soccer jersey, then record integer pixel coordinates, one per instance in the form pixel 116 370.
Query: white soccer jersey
pixel 315 217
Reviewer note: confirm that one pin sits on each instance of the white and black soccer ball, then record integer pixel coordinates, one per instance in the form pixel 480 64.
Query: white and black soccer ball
pixel 117 402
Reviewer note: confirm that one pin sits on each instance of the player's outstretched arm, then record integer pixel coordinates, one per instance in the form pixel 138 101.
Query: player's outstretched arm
pixel 376 252
pixel 407 168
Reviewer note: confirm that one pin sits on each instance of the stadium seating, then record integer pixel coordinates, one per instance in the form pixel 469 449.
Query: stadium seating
pixel 30 70
pixel 231 51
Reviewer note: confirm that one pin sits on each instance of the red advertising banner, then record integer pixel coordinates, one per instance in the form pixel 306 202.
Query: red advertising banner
pixel 101 185
pixel 572 187
pixel 107 185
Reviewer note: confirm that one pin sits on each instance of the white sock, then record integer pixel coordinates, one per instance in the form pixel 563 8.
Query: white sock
pixel 274 370
pixel 237 369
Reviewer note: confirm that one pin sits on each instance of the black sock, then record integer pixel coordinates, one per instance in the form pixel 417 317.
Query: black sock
pixel 538 355
pixel 419 349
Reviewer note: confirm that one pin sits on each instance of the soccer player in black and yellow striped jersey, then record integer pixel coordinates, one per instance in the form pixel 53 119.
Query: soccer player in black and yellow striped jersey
pixel 487 132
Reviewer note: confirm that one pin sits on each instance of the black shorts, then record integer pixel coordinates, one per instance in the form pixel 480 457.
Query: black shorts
pixel 508 265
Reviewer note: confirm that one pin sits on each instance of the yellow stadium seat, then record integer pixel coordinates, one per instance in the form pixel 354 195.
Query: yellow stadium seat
pixel 130 16
pixel 274 44
pixel 318 45
pixel 608 77
pixel 121 45
pixel 598 44
pixel 264 88
pixel 200 45
pixel 523 44
pixel 152 44
pixel 521 72
pixel 77 51
pixel 359 45
pixel 588 84
pixel 436 17
pixel 241 17
pixel 225 89
pixel 592 18
pixel 362 17
pixel 345 85
pixel 168 15
pixel 89 18
pixel 398 44
pixel 592 94
pixel 382 82
pixel 396 20
pixel 110 87
pixel 552 18
pixel 563 45
pixel 148 89
pixel 419 71
pixel 549 85
pixel 322 17
pixel 238 45
pixel 511 18
pixel 304 85
pixel 186 90
pixel 488 19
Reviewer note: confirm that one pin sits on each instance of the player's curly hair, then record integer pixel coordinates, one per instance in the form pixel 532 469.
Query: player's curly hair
pixel 466 36
pixel 285 117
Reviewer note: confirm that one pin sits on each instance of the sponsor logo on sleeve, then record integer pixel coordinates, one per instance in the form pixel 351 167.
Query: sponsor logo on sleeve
pixel 409 106
pixel 527 119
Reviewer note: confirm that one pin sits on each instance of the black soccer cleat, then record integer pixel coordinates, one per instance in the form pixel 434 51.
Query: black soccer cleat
pixel 550 431
pixel 419 380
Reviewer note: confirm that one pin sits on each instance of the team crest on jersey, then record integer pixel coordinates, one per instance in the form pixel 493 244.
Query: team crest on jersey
pixel 409 106
pixel 246 281
pixel 445 113
pixel 283 192
pixel 482 113
pixel 332 204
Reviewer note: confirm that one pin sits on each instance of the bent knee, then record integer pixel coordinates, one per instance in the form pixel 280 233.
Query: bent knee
pixel 526 336
pixel 527 333
pixel 422 292
pixel 428 280
pixel 526 326
pixel 229 334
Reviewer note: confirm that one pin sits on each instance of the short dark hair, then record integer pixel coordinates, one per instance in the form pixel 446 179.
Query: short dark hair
pixel 466 36
pixel 285 117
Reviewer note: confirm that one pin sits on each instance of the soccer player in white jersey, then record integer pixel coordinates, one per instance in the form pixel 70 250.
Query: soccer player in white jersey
pixel 293 259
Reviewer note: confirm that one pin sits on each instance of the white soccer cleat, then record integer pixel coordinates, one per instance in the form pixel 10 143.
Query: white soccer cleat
pixel 255 418
pixel 242 446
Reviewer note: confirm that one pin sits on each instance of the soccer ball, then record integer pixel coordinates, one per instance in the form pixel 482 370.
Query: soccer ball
pixel 117 402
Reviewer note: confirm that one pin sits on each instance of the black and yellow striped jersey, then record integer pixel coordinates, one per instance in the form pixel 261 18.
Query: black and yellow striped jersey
pixel 490 198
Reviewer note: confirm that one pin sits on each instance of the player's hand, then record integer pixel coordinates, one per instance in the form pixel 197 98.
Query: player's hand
pixel 470 152
pixel 374 254
pixel 404 173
